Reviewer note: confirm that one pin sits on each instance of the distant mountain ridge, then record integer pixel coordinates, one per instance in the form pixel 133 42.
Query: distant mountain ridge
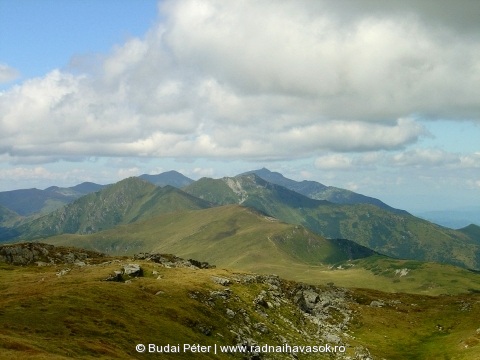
pixel 26 202
pixel 172 178
pixel 127 201
pixel 455 219
pixel 393 233
pixel 318 191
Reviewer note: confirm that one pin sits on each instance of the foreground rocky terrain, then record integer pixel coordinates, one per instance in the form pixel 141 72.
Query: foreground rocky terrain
pixel 60 303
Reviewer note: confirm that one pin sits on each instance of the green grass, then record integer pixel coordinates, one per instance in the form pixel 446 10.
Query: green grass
pixel 78 315
pixel 393 233
pixel 237 238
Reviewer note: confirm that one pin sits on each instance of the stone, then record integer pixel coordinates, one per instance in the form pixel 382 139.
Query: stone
pixel 133 270
pixel 261 327
pixel 332 339
pixel 375 303
pixel 221 280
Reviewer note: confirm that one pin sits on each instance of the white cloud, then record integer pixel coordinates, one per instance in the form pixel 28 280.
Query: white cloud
pixel 417 158
pixel 203 172
pixel 125 173
pixel 333 162
pixel 26 173
pixel 7 73
pixel 254 80
pixel 425 157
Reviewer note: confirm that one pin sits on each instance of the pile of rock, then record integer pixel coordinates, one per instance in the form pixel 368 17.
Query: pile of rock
pixel 44 254
pixel 172 261
pixel 319 314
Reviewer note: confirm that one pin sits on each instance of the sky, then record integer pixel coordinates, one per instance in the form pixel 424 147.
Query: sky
pixel 378 97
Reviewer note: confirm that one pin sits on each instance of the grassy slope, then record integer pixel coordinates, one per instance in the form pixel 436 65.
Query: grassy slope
pixel 402 236
pixel 228 235
pixel 419 327
pixel 394 234
pixel 44 316
pixel 235 237
pixel 127 201
pixel 8 217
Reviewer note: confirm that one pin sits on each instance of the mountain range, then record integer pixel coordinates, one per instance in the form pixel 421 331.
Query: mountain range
pixel 316 190
pixel 26 202
pixel 363 222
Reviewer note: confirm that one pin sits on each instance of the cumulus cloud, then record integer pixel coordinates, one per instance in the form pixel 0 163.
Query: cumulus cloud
pixel 254 80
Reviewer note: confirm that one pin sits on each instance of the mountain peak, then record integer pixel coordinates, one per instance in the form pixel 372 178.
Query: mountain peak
pixel 172 178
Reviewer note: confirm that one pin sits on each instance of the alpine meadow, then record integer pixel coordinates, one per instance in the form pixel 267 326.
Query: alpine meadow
pixel 209 179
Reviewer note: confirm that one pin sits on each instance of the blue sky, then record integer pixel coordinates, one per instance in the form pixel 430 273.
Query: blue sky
pixel 365 97
pixel 38 36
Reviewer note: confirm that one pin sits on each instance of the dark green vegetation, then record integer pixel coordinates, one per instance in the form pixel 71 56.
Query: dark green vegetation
pixel 8 217
pixel 65 311
pixel 127 201
pixel 237 238
pixel 229 236
pixel 396 234
pixel 316 190
pixel 393 233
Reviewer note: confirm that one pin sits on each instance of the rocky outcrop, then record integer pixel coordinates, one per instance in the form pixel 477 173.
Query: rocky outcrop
pixel 170 261
pixel 44 254
pixel 320 315
pixel 128 271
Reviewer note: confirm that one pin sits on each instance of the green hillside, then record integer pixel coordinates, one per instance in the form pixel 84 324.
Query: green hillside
pixel 318 191
pixel 68 310
pixel 238 238
pixel 127 201
pixel 229 236
pixel 394 234
pixel 8 217
pixel 473 231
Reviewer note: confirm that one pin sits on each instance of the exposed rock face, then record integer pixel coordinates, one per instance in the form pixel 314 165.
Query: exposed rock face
pixel 168 260
pixel 44 254
pixel 321 315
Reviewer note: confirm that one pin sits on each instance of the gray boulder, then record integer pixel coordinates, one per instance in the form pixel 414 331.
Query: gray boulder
pixel 133 270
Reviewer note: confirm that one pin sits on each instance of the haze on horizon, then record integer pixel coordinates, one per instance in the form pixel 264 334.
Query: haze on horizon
pixel 381 98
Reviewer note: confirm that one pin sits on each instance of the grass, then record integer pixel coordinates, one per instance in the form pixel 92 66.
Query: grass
pixel 420 327
pixel 236 238
pixel 78 315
